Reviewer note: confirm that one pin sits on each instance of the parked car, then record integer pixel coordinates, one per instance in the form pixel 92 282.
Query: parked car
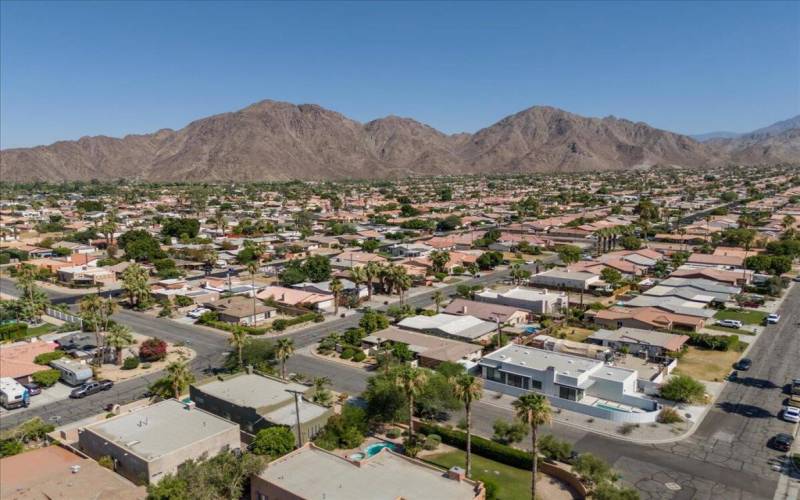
pixel 794 400
pixel 744 364
pixel 196 313
pixel 773 318
pixel 791 414
pixel 781 442
pixel 730 323
pixel 90 388
pixel 33 389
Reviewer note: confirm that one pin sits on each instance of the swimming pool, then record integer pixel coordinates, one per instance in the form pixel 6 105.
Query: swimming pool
pixel 376 447
pixel 608 407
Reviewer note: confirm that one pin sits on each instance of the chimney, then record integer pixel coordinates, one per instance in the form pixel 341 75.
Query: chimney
pixel 189 406
pixel 464 309
pixel 249 369
pixel 456 473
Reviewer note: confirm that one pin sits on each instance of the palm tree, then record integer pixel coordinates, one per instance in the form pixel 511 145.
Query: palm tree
pixel 468 388
pixel 134 281
pixel 26 280
pixel 284 349
pixel 438 299
pixel 179 377
pixel 336 290
pixel 534 410
pixel 119 337
pixel 401 280
pixel 358 276
pixel 439 259
pixel 252 268
pixel 238 341
pixel 371 271
pixel 321 393
pixel 411 381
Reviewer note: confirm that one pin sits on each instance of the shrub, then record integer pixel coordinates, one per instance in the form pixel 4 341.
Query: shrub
pixel 395 433
pixel 13 331
pixel 669 416
pixel 46 378
pixel 280 325
pixel 359 356
pixel 47 357
pixel 130 363
pixel 481 446
pixel 183 301
pixel 153 349
pixel 432 441
pixel 593 470
pixel 683 388
pixel 627 428
pixel 10 447
pixel 274 442
pixel 554 448
pixel 106 461
pixel 347 353
pixel 508 432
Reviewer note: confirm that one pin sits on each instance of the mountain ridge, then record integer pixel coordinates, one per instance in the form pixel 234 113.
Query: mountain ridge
pixel 274 140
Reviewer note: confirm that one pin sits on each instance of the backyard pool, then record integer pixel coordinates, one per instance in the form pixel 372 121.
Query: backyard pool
pixel 376 447
pixel 612 408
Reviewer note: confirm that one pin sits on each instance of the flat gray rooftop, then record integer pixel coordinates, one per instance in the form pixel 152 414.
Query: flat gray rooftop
pixel 316 474
pixel 160 429
pixel 251 390
pixel 541 360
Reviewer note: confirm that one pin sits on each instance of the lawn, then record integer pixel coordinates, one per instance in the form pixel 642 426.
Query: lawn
pixel 738 331
pixel 512 483
pixel 42 329
pixel 574 333
pixel 743 315
pixel 705 364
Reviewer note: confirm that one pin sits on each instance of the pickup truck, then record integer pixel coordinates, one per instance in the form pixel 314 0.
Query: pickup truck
pixel 90 388
pixel 794 400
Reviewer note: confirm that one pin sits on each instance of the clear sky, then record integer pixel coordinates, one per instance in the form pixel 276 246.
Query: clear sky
pixel 72 69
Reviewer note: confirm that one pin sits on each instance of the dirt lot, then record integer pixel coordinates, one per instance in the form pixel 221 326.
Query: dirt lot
pixel 708 365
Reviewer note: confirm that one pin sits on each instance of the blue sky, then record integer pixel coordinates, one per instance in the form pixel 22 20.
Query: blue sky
pixel 70 69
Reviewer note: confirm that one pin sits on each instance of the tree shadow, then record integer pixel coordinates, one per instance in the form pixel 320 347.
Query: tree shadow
pixel 745 410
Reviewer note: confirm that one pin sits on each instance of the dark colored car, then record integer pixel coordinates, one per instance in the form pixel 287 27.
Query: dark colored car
pixel 33 389
pixel 782 442
pixel 90 388
pixel 744 364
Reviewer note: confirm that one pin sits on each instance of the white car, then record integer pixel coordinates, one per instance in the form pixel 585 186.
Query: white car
pixel 196 313
pixel 730 323
pixel 791 414
pixel 773 318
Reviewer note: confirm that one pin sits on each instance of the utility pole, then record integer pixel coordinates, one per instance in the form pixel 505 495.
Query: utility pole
pixel 297 395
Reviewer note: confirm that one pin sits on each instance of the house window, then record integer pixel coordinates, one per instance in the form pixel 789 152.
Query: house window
pixel 568 393
pixel 536 384
pixel 494 374
pixel 517 381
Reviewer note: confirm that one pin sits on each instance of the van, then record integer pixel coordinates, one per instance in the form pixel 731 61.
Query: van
pixel 13 394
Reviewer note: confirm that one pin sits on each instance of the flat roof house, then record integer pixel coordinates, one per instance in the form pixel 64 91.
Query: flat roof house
pixel 257 401
pixel 465 327
pixel 154 441
pixel 575 383
pixel 488 311
pixel 564 279
pixel 313 473
pixel 430 350
pixel 536 301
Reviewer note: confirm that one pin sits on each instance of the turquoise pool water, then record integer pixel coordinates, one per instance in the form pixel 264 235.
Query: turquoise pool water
pixel 607 407
pixel 375 448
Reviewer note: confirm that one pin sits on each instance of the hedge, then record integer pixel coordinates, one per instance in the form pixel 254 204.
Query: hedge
pixel 481 446
pixel 46 378
pixel 714 342
pixel 130 363
pixel 278 325
pixel 47 357
pixel 13 331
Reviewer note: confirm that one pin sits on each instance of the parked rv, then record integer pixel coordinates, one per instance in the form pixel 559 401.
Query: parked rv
pixel 13 394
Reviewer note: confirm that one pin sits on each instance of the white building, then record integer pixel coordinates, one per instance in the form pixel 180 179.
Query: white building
pixel 537 301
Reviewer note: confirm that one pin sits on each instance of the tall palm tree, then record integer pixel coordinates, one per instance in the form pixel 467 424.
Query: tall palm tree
pixel 438 299
pixel 119 337
pixel 252 268
pixel 401 280
pixel 336 289
pixel 468 388
pixel 238 341
pixel 284 349
pixel 371 271
pixel 534 410
pixel 439 259
pixel 358 275
pixel 179 377
pixel 134 281
pixel 411 381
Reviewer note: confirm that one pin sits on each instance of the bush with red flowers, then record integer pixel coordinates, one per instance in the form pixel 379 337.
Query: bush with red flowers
pixel 153 349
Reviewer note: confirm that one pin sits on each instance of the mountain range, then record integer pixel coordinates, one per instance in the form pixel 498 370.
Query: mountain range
pixel 272 140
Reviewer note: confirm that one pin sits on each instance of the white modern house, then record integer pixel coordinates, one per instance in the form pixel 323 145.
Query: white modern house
pixel 555 278
pixel 573 383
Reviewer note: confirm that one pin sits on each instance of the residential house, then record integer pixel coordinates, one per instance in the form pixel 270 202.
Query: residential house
pixel 647 318
pixel 488 311
pixel 462 327
pixel 652 343
pixel 555 278
pixel 429 350
pixel 298 298
pixel 536 301
pixel 242 311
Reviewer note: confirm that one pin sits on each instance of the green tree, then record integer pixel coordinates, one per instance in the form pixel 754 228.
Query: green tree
pixel 274 442
pixel 134 282
pixel 534 410
pixel 468 389
pixel 438 299
pixel 317 268
pixel 683 388
pixel 411 382
pixel 238 340
pixel 179 378
pixel 611 276
pixel 119 337
pixel 284 350
pixel 569 254
pixel 337 288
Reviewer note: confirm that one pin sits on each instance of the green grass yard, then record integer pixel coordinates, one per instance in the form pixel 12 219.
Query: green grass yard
pixel 740 331
pixel 512 483
pixel 743 315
